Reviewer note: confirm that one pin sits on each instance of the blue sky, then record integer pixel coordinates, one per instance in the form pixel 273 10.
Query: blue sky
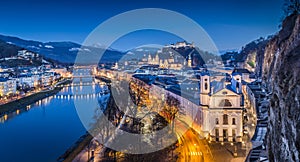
pixel 230 23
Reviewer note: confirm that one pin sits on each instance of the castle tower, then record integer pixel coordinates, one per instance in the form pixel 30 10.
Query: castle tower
pixel 236 82
pixel 204 88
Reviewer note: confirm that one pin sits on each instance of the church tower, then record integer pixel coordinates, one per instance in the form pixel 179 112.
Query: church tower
pixel 236 82
pixel 204 88
pixel 190 61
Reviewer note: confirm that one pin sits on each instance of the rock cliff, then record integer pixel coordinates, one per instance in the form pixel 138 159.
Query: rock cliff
pixel 281 75
pixel 255 55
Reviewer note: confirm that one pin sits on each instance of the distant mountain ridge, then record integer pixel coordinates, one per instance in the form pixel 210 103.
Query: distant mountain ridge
pixel 8 50
pixel 64 52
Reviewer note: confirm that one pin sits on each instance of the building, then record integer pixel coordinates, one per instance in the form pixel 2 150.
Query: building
pixel 217 110
pixel 62 71
pixel 245 74
pixel 28 80
pixel 222 109
pixel 183 44
pixel 7 87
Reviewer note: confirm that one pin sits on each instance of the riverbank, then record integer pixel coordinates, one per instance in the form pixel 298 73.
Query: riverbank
pixel 74 150
pixel 23 102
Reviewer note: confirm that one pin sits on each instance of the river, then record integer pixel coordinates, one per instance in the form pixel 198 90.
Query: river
pixel 46 129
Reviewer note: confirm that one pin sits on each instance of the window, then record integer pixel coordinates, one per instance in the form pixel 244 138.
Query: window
pixel 205 86
pixel 225 103
pixel 225 119
pixel 217 121
pixel 233 121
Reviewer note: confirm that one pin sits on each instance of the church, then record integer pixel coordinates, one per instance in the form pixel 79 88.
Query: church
pixel 222 109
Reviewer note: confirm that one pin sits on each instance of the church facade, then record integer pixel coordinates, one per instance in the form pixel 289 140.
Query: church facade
pixel 222 111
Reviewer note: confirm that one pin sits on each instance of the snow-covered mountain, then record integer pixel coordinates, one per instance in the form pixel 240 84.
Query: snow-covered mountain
pixel 64 52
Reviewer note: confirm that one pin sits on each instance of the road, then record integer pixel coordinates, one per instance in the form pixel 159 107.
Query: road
pixel 192 147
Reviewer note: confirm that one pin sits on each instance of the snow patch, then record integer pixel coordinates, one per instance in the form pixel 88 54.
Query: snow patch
pixel 139 50
pixel 79 49
pixel 44 61
pixel 86 49
pixel 130 53
pixel 34 47
pixel 74 49
pixel 48 46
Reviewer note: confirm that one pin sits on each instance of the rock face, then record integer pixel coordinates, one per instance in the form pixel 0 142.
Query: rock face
pixel 252 55
pixel 255 56
pixel 281 75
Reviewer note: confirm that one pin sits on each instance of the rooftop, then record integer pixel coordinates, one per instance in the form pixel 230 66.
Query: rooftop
pixel 240 70
pixel 3 79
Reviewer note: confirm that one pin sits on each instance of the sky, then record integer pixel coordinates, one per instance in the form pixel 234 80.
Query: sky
pixel 230 23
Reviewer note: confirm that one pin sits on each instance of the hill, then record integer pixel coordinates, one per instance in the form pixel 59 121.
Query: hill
pixel 64 52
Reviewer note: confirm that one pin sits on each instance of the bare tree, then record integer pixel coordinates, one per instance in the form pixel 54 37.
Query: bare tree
pixel 291 7
pixel 171 108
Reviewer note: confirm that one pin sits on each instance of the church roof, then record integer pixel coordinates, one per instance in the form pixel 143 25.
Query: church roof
pixel 219 86
pixel 204 73
pixel 236 73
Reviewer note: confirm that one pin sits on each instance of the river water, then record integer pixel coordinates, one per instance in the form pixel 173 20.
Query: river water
pixel 46 129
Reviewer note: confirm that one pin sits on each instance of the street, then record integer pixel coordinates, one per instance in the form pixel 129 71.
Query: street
pixel 191 146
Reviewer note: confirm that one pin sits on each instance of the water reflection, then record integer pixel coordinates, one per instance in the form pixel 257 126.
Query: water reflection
pixel 48 127
pixel 69 92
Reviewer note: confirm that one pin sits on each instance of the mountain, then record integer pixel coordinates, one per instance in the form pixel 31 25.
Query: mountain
pixel 64 52
pixel 280 74
pixel 8 50
pixel 251 55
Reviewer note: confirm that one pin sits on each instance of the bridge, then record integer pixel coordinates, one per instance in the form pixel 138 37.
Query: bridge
pixel 80 96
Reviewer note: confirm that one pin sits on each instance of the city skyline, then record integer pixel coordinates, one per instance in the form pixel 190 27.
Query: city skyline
pixel 197 81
